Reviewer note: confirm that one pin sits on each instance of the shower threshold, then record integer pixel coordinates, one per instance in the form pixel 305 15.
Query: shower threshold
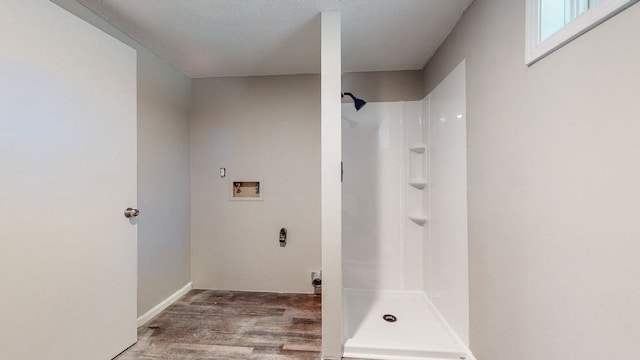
pixel 419 331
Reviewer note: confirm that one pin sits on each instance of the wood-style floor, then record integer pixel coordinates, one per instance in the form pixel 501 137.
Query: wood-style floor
pixel 207 324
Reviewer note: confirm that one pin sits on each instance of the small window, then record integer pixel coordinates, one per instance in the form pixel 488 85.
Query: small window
pixel 553 23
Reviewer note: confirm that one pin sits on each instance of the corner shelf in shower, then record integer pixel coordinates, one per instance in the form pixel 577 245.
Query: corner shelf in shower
pixel 417 166
pixel 418 184
pixel 419 219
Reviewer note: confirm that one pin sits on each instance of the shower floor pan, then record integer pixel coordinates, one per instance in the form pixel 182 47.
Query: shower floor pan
pixel 419 332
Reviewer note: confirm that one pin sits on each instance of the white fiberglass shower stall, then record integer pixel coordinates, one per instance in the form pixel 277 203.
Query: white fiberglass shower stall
pixel 404 227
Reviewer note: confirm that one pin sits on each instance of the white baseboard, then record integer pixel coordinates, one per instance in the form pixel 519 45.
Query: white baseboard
pixel 164 304
pixel 329 357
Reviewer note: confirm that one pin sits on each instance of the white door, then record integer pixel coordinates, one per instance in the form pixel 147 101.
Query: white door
pixel 67 173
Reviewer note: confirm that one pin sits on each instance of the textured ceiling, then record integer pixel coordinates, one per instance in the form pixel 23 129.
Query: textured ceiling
pixel 210 38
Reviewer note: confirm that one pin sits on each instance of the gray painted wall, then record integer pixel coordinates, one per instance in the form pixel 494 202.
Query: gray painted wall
pixel 382 86
pixel 269 128
pixel 257 128
pixel 164 96
pixel 164 99
pixel 553 186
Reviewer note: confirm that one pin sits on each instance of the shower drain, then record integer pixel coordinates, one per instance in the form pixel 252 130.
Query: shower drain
pixel 389 318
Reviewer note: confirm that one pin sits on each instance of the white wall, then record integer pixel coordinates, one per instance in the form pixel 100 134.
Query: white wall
pixel 266 128
pixel 553 186
pixel 164 96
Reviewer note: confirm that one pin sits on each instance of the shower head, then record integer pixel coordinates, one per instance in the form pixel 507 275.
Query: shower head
pixel 359 103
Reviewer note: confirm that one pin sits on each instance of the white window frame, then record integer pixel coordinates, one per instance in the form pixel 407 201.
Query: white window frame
pixel 536 50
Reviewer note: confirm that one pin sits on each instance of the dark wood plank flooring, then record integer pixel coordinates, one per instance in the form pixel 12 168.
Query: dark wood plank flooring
pixel 207 324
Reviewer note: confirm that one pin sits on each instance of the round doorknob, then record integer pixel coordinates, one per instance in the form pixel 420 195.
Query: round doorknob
pixel 131 213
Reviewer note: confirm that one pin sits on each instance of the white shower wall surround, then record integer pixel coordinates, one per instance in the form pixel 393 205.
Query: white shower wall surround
pixel 404 216
pixel 448 287
pixel 372 200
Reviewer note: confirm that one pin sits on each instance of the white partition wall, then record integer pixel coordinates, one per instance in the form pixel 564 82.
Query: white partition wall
pixel 331 187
